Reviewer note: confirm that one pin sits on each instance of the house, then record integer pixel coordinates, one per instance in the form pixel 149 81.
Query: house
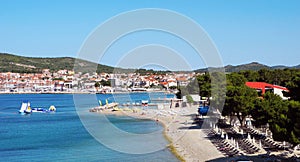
pixel 262 87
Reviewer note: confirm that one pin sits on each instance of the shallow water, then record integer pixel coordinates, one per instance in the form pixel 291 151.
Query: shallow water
pixel 60 136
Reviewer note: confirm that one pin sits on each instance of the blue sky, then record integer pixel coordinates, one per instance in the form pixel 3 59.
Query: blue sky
pixel 244 31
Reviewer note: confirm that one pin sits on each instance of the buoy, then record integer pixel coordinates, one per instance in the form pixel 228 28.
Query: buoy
pixel 52 108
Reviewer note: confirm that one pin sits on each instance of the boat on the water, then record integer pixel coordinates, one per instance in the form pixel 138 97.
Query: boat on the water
pixel 26 109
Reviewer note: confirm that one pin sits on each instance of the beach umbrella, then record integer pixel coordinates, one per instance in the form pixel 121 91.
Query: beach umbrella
pixel 100 102
pixel 296 147
pixel 249 137
pixel 260 144
pixel 222 134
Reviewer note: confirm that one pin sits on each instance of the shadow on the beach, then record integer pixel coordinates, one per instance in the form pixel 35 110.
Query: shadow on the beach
pixel 256 158
pixel 196 124
pixel 191 115
pixel 190 127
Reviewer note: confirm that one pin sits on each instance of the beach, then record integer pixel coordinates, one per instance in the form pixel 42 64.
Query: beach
pixel 187 141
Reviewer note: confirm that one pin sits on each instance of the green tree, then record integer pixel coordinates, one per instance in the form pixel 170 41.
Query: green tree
pixel 250 75
pixel 240 100
pixel 294 88
pixel 173 87
pixel 218 90
pixel 179 94
pixel 105 82
pixel 272 110
pixel 97 85
pixel 294 122
pixel 189 99
pixel 265 76
pixel 235 79
pixel 192 87
pixel 204 85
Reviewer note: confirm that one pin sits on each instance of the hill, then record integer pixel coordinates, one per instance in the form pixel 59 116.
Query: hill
pixel 21 64
pixel 13 63
pixel 251 66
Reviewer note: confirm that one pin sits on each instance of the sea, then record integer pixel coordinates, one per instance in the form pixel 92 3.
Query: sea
pixel 62 136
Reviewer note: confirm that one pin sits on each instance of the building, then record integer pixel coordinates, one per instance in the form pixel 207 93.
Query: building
pixel 262 88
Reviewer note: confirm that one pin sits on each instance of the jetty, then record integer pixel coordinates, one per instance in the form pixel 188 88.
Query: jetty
pixel 106 106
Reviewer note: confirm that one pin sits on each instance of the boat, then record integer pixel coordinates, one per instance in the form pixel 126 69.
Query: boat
pixel 25 108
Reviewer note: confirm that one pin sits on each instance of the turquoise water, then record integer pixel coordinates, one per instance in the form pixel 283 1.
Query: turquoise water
pixel 60 136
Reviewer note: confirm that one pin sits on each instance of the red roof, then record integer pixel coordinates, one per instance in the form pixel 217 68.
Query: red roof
pixel 164 83
pixel 263 86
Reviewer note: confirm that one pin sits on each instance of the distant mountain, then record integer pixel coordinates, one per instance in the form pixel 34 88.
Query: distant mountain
pixel 21 64
pixel 296 67
pixel 280 67
pixel 13 63
pixel 250 66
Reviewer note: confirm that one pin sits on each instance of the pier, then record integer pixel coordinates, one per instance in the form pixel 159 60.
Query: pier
pixel 107 106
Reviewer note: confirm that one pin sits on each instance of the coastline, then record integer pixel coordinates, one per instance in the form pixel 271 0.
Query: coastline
pixel 178 131
pixel 66 92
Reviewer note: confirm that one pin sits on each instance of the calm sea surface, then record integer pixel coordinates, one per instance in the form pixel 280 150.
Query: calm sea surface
pixel 60 136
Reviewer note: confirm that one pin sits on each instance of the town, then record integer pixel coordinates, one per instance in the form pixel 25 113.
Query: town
pixel 67 81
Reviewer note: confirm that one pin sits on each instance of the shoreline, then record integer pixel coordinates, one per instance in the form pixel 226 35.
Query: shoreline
pixel 84 92
pixel 177 123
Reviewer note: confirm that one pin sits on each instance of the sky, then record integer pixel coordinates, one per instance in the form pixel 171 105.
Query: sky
pixel 243 31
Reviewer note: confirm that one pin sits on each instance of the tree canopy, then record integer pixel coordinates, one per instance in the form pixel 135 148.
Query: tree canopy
pixel 283 117
pixel 240 100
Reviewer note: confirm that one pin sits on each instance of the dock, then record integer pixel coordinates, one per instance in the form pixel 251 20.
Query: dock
pixel 107 106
